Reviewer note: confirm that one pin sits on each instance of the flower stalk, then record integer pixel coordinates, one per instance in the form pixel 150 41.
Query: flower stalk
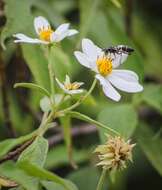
pixel 51 75
pixel 101 180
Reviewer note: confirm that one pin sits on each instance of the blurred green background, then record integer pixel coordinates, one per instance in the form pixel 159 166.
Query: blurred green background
pixel 107 22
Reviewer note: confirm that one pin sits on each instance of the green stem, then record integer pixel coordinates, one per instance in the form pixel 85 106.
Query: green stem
pixel 101 180
pixel 81 99
pixel 44 124
pixel 51 74
pixel 83 117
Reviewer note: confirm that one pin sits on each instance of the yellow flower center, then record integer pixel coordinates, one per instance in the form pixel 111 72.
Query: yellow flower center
pixel 72 86
pixel 45 34
pixel 104 65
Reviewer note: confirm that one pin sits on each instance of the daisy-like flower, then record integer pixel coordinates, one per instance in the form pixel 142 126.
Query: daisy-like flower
pixel 70 88
pixel 115 153
pixel 105 66
pixel 45 33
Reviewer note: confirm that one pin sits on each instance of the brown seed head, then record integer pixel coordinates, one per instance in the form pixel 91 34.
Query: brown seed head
pixel 115 153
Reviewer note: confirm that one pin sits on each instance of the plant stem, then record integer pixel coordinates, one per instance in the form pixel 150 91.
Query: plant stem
pixel 83 117
pixel 101 180
pixel 51 74
pixel 81 99
pixel 44 124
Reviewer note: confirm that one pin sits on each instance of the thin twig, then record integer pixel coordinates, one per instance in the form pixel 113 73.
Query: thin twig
pixel 13 154
pixel 75 132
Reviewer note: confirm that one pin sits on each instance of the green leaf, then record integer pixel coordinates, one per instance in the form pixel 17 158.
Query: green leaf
pixel 38 64
pixel 43 174
pixel 7 145
pixel 45 104
pixel 86 178
pixel 11 171
pixel 36 153
pixel 151 146
pixel 83 117
pixel 152 95
pixel 122 118
pixel 33 86
pixel 116 3
pixel 18 20
pixel 49 185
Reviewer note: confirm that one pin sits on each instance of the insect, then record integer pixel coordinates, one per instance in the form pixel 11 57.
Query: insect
pixel 118 50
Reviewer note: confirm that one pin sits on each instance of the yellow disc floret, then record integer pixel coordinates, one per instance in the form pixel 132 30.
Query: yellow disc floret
pixel 72 86
pixel 104 65
pixel 45 34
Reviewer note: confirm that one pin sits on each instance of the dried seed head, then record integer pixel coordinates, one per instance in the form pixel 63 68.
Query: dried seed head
pixel 5 182
pixel 115 153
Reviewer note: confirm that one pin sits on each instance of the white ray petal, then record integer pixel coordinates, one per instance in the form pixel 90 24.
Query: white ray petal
pixel 126 75
pixel 61 85
pixel 57 37
pixel 118 59
pixel 125 85
pixel 82 58
pixel 75 91
pixel 90 49
pixel 72 32
pixel 80 83
pixel 23 38
pixel 41 23
pixel 62 28
pixel 67 79
pixel 108 89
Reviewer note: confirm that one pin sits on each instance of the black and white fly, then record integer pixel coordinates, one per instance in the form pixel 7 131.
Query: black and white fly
pixel 118 50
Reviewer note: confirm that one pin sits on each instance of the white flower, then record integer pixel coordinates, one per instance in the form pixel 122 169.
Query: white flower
pixel 70 88
pixel 105 66
pixel 45 33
